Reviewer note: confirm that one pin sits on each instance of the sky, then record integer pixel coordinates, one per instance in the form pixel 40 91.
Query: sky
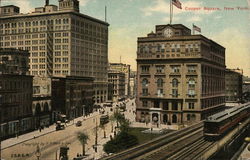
pixel 130 19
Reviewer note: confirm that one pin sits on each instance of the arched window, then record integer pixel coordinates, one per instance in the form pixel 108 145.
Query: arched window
pixel 160 82
pixel 46 107
pixel 165 118
pixel 174 82
pixel 174 119
pixel 144 82
pixel 191 83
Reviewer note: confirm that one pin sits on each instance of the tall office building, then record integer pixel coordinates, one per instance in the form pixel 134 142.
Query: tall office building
pixel 62 41
pixel 180 77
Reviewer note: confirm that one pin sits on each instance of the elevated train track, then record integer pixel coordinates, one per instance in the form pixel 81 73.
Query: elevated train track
pixel 155 144
pixel 190 143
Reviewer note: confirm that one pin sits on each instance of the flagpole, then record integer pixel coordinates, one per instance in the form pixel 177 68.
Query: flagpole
pixel 193 29
pixel 170 12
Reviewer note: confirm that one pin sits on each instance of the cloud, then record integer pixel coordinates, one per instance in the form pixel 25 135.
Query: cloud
pixel 175 18
pixel 237 48
pixel 162 6
pixel 83 2
pixel 194 19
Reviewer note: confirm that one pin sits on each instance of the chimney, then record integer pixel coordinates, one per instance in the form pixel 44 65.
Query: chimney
pixel 46 2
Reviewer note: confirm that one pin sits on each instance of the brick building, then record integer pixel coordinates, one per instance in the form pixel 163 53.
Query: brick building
pixel 180 77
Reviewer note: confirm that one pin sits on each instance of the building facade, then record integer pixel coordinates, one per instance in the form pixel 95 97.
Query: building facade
pixel 62 41
pixel 41 101
pixel 14 61
pixel 124 68
pixel 246 89
pixel 233 84
pixel 15 93
pixel 132 84
pixel 117 79
pixel 180 77
pixel 72 96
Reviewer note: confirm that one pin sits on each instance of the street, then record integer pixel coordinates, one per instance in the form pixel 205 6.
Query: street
pixel 49 141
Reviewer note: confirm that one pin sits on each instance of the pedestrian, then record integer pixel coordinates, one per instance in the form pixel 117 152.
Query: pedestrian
pixel 40 128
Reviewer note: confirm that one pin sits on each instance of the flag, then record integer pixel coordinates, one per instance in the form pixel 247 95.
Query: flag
pixel 198 29
pixel 177 3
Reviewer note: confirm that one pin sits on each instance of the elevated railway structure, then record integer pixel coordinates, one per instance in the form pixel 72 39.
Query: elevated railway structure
pixel 190 143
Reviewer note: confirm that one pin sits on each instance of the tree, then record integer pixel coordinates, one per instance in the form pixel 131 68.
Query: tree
pixel 83 138
pixel 124 127
pixel 118 118
pixel 122 141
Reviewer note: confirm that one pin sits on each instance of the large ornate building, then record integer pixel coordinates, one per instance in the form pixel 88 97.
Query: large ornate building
pixel 180 77
pixel 62 41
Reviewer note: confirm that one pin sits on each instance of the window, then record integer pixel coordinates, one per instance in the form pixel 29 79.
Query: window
pixel 191 83
pixel 175 69
pixel 144 103
pixel 160 82
pixel 165 105
pixel 156 104
pixel 191 93
pixel 191 105
pixel 158 48
pixel 172 47
pixel 144 82
pixel 174 92
pixel 144 91
pixel 175 106
pixel 191 69
pixel 178 48
pixel 162 47
pixel 159 92
pixel 159 69
pixel 175 82
pixel 144 69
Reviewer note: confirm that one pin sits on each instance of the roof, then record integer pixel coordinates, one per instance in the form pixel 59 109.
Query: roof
pixel 36 14
pixel 218 117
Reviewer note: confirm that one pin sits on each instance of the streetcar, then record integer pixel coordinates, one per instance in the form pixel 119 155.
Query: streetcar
pixel 220 123
pixel 104 119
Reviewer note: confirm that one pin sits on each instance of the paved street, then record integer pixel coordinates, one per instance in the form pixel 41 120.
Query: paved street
pixel 24 147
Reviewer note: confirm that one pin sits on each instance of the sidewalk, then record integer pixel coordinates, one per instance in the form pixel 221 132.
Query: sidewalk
pixel 35 134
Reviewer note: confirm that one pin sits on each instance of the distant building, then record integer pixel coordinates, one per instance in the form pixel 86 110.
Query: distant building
pixel 132 83
pixel 62 41
pixel 246 88
pixel 181 77
pixel 233 84
pixel 41 101
pixel 15 93
pixel 117 79
pixel 72 96
pixel 124 68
